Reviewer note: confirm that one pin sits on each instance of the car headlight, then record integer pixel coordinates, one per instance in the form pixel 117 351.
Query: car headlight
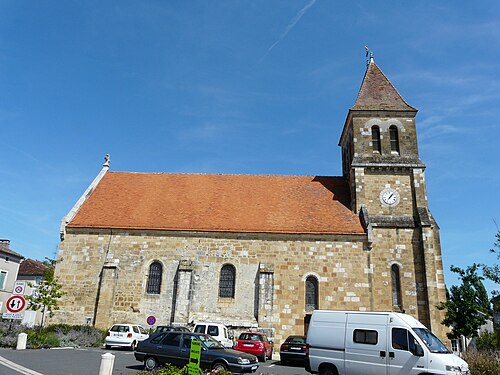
pixel 243 361
pixel 457 370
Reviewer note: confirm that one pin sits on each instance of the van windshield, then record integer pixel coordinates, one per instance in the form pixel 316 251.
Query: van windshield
pixel 431 341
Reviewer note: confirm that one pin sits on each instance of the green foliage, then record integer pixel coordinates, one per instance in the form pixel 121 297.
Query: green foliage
pixel 481 363
pixel 169 369
pixel 52 336
pixel 40 339
pixel 47 293
pixel 493 272
pixel 486 341
pixel 8 333
pixel 467 306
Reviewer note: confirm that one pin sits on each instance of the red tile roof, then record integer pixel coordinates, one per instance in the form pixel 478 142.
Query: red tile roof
pixel 219 203
pixel 30 267
pixel 378 93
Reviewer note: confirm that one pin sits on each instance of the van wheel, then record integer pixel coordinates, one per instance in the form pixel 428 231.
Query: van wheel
pixel 328 370
pixel 263 358
pixel 219 366
pixel 150 363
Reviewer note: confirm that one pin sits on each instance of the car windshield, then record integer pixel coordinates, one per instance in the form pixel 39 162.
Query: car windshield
pixel 250 336
pixel 210 343
pixel 431 341
pixel 296 340
pixel 119 329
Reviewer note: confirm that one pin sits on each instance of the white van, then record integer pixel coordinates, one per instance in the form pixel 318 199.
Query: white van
pixel 217 330
pixel 376 343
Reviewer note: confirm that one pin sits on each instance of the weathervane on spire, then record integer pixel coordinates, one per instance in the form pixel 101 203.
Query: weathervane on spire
pixel 106 160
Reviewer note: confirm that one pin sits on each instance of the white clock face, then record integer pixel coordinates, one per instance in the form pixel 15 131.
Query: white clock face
pixel 389 197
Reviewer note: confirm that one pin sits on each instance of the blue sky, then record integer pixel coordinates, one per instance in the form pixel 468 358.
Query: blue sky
pixel 246 87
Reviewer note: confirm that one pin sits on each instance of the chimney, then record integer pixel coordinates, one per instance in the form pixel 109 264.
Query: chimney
pixel 4 244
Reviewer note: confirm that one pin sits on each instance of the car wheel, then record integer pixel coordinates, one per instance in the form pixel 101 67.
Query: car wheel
pixel 328 370
pixel 108 347
pixel 150 363
pixel 133 345
pixel 264 357
pixel 219 366
pixel 284 362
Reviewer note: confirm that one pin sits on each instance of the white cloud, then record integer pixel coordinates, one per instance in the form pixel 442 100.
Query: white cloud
pixel 289 28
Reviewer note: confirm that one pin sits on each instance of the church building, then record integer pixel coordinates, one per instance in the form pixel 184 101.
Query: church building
pixel 261 252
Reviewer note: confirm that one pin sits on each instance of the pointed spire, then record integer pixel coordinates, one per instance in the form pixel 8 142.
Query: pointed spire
pixel 378 93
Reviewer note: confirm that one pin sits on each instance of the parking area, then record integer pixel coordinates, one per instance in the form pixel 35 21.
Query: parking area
pixel 86 361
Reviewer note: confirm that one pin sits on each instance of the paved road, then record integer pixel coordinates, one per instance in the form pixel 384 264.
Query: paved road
pixel 87 362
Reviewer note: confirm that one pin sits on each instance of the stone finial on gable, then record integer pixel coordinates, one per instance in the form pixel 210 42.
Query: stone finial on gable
pixel 71 214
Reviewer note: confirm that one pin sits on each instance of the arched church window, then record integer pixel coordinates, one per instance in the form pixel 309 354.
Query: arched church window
pixel 154 278
pixel 396 287
pixel 227 281
pixel 376 139
pixel 311 293
pixel 394 138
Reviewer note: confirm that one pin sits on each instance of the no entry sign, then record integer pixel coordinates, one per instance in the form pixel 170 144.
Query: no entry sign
pixel 15 304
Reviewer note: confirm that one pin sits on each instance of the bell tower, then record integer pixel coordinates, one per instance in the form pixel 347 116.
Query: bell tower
pixel 381 163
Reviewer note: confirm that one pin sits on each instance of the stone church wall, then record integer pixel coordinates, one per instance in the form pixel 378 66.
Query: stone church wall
pixel 105 275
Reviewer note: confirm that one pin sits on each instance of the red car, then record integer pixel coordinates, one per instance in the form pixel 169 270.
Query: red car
pixel 255 343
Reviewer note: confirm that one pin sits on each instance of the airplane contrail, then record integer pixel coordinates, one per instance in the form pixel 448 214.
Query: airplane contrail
pixel 290 26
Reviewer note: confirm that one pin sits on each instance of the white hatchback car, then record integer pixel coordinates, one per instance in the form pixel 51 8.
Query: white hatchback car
pixel 125 335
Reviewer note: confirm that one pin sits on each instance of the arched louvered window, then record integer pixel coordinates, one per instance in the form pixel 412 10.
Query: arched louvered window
pixel 312 293
pixel 396 287
pixel 394 138
pixel 227 281
pixel 376 139
pixel 154 278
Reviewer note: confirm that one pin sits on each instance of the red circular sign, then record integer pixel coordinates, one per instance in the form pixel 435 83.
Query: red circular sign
pixel 151 320
pixel 15 304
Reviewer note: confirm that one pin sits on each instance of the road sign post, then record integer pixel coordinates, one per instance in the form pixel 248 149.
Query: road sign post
pixel 15 304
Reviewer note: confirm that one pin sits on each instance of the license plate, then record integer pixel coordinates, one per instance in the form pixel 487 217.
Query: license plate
pixel 254 367
pixel 294 348
pixel 248 345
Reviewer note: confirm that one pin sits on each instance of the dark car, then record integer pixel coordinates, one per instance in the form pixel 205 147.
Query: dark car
pixel 293 349
pixel 255 343
pixel 173 347
pixel 171 328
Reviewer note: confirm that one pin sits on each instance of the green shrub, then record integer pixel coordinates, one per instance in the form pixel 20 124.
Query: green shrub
pixel 169 369
pixel 8 333
pixel 486 341
pixel 51 336
pixel 482 363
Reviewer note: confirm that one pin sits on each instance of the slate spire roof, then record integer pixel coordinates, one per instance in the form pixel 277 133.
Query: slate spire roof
pixel 378 93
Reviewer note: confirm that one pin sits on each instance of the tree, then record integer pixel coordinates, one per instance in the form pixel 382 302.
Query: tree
pixel 493 272
pixel 467 306
pixel 47 293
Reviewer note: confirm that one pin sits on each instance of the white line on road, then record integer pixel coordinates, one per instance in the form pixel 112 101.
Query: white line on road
pixel 18 368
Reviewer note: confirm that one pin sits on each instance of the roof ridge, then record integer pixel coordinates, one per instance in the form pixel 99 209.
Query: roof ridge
pixel 219 174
